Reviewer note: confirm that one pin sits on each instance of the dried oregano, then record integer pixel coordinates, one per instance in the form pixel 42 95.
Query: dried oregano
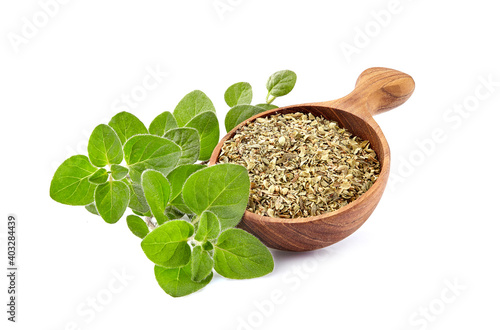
pixel 301 165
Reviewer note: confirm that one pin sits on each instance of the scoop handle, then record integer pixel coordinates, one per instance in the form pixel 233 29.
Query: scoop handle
pixel 377 90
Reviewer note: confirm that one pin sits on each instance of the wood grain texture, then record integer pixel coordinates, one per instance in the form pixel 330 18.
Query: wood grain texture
pixel 377 90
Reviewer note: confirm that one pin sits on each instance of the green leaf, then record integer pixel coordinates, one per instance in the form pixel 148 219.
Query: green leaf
pixel 167 245
pixel 222 189
pixel 137 226
pixel 240 255
pixel 70 184
pixel 266 106
pixel 177 281
pixel 191 105
pixel 281 83
pixel 91 208
pixel 118 172
pixel 99 177
pixel 143 152
pixel 208 227
pixel 157 191
pixel 104 147
pixel 201 264
pixel 207 125
pixel 111 200
pixel 127 125
pixel 172 213
pixel 177 178
pixel 189 141
pixel 162 124
pixel 239 93
pixel 239 114
pixel 207 246
pixel 138 201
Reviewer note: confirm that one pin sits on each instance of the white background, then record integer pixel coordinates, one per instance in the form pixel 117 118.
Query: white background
pixel 437 225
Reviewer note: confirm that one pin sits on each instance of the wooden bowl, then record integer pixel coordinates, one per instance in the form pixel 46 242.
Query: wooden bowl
pixel 377 90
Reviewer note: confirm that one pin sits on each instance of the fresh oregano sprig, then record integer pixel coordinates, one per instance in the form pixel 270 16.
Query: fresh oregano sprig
pixel 184 211
pixel 239 96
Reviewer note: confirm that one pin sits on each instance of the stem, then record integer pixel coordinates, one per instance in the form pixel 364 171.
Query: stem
pixel 150 224
pixel 269 101
pixel 195 220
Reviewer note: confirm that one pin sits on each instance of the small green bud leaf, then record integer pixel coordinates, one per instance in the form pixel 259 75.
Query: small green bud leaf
pixel 192 105
pixel 104 146
pixel 208 246
pixel 189 141
pixel 167 245
pixel 207 125
pixel 222 189
pixel 208 227
pixel 281 83
pixel 162 124
pixel 118 172
pixel 137 226
pixel 177 281
pixel 144 152
pixel 201 264
pixel 70 184
pixel 127 125
pixel 99 177
pixel 157 191
pixel 239 93
pixel 240 113
pixel 240 255
pixel 111 200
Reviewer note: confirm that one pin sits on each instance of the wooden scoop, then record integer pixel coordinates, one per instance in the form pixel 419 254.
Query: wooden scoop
pixel 377 90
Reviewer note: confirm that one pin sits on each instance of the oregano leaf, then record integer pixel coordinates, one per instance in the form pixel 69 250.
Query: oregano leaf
pixel 208 227
pixel 167 245
pixel 127 125
pixel 240 113
pixel 99 177
pixel 118 172
pixel 177 281
pixel 177 178
pixel 281 83
pixel 104 146
pixel 207 246
pixel 143 152
pixel 207 125
pixel 191 105
pixel 138 201
pixel 239 93
pixel 162 124
pixel 157 192
pixel 222 189
pixel 137 226
pixel 172 213
pixel 91 208
pixel 70 184
pixel 111 200
pixel 189 141
pixel 266 106
pixel 201 264
pixel 240 255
